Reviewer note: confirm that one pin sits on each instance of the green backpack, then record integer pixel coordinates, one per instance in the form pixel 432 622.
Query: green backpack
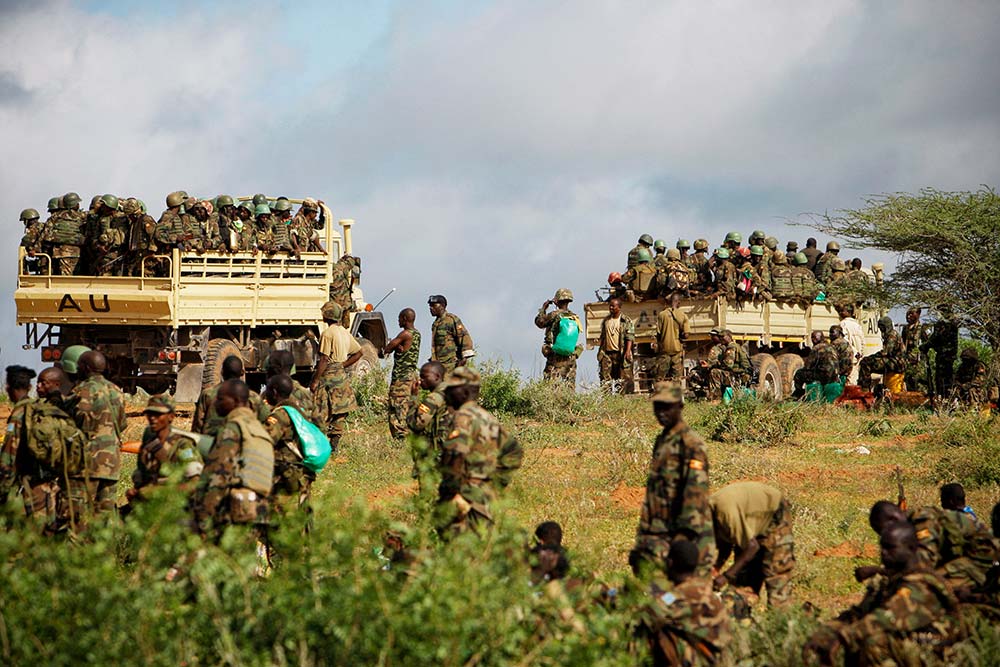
pixel 566 336
pixel 316 448
pixel 54 439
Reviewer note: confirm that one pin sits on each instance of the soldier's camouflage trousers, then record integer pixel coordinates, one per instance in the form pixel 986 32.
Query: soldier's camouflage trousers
pixel 772 567
pixel 613 367
pixel 398 405
pixel 562 369
pixel 718 380
pixel 291 488
pixel 41 501
pixel 65 258
pixel 670 367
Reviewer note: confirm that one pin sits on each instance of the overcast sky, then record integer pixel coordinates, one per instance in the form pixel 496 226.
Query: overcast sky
pixel 494 152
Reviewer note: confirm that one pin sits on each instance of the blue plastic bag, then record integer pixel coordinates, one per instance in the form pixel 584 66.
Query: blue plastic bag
pixel 316 448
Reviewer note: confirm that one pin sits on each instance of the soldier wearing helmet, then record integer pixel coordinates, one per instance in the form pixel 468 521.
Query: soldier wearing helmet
pixel 725 273
pixel 174 225
pixel 824 265
pixel 699 263
pixel 659 258
pixel 561 345
pixel 683 246
pixel 107 246
pixel 31 241
pixel 890 359
pixel 307 223
pixel 645 243
pixel 63 236
pixel 640 281
pixel 675 276
pixel 760 273
pixel 281 219
pixel 140 244
pixel 202 229
pixel 804 285
pixel 781 277
pixel 222 219
pixel 263 230
pixel 732 242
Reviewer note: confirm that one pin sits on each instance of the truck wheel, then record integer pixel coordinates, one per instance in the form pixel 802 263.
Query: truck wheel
pixel 368 360
pixel 768 376
pixel 218 350
pixel 788 364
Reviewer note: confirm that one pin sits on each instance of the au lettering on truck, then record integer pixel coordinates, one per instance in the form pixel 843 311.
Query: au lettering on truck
pixel 100 305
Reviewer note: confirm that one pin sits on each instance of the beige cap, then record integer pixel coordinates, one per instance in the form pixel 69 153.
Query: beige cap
pixel 667 392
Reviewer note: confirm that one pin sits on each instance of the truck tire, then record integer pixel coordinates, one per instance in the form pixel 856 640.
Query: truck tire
pixel 768 376
pixel 368 360
pixel 788 364
pixel 218 350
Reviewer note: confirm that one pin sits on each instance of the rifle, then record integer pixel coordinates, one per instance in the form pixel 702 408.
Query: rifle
pixel 900 494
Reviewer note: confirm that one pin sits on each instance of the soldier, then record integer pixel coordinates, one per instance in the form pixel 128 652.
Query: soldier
pixel 478 458
pixel 140 245
pixel 914 335
pixel 890 359
pixel 685 622
pixel 812 253
pixel 675 276
pixel 405 349
pixel 19 467
pixel 65 235
pixel 732 242
pixel 944 341
pixel 822 366
pixel 32 242
pixel 845 354
pixel 676 502
pixel 223 218
pixel 108 242
pixel 236 481
pixel 970 379
pixel 731 369
pixel 855 335
pixel 241 228
pixel 562 332
pixel 698 262
pixel 292 480
pixel 306 223
pixel 345 271
pixel 910 608
pixel 169 231
pixel 792 249
pixel 838 276
pixel 338 351
pixel 672 329
pixel 205 419
pixel 167 456
pixel 725 274
pixel 683 246
pixel 205 235
pixel 645 243
pixel 699 380
pixel 614 349
pixel 640 280
pixel 659 259
pixel 753 522
pixel 824 265
pixel 282 362
pixel 761 271
pixel 782 287
pixel 431 418
pixel 263 230
pixel 804 285
pixel 281 228
pixel 451 343
pixel 99 411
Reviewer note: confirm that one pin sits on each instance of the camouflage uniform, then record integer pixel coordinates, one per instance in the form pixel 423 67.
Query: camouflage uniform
pixel 633 255
pixel 890 359
pixel 914 335
pixel 141 244
pixel 450 341
pixel 823 365
pixel 686 623
pixel 558 367
pixel 169 230
pixel 845 357
pixel 208 234
pixel 944 341
pixel 65 235
pixel 824 268
pixel 236 482
pixel 109 244
pixel 302 229
pixel 642 282
pixel 954 544
pixel 334 401
pixel 676 502
pixel 341 282
pixel 672 327
pixel 281 232
pixel 404 372
pixel 804 287
pixel 612 364
pixel 970 380
pixel 292 480
pixel 782 286
pixel 677 277
pixel 731 368
pixel 304 402
pixel 430 418
pixel 898 617
pixel 207 421
pixel 477 460
pixel 19 467
pixel 262 236
pixel 698 263
pixel 169 463
pixel 31 241
pixel 100 413
pixel 725 278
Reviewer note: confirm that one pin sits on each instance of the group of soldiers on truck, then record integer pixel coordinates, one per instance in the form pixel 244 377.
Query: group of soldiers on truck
pixel 117 237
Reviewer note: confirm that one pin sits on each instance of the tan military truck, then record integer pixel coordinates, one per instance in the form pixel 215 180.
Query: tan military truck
pixel 173 332
pixel 775 334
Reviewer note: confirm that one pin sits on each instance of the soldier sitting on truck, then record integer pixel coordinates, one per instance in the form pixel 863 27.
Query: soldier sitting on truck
pixel 645 243
pixel 640 280
pixel 725 274
pixel 804 287
pixel 32 240
pixel 782 288
pixel 281 222
pixel 698 263
pixel 262 232
pixel 140 244
pixel 674 276
pixel 169 231
pixel 206 233
pixel 108 242
pixel 306 223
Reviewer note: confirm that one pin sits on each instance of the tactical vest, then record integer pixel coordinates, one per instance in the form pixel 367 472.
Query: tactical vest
pixel 67 228
pixel 680 276
pixel 781 282
pixel 280 231
pixel 257 460
pixel 644 276
pixel 54 439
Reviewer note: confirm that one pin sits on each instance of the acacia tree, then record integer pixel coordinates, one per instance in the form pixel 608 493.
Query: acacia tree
pixel 948 245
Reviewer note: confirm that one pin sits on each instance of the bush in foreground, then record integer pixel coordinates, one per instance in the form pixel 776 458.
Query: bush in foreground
pixel 752 421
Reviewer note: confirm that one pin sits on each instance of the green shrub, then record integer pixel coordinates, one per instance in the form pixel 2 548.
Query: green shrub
pixel 501 390
pixel 972 451
pixel 752 421
pixel 876 428
pixel 371 391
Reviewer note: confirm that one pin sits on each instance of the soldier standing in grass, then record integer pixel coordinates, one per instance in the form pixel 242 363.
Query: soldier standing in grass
pixel 292 480
pixel 451 343
pixel 205 419
pixel 405 349
pixel 914 335
pixel 338 351
pixel 429 417
pixel 672 328
pixel 676 502
pixel 560 355
pixel 614 353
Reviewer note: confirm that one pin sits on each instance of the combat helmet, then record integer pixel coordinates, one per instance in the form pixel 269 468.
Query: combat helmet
pixel 683 244
pixel 757 235
pixel 837 264
pixel 259 199
pixel 701 244
pixel 643 256
pixel 833 246
pixel 757 250
pixel 659 244
pixel 563 294
pixel 780 258
pixel 722 253
pixel 734 237
pixel 54 204
pixel 29 214
pixel 175 199
pixel 673 253
pixel 224 200
pixel 94 200
pixel 70 200
pixel 282 205
pixel 646 239
pixel 110 201
pixel 800 259
pixel 71 357
pixel 771 243
pixel 261 209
